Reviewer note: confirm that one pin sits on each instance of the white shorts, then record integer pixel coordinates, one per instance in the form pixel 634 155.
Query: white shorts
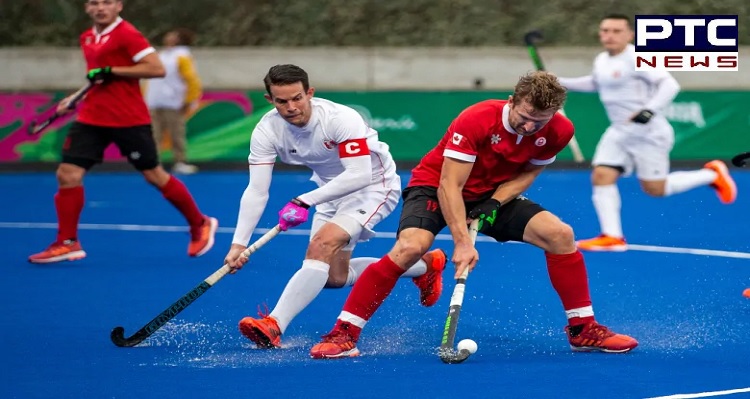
pixel 358 213
pixel 644 148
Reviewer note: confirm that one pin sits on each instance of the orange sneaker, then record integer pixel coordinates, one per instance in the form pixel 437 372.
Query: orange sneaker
pixel 336 344
pixel 594 337
pixel 204 239
pixel 430 284
pixel 58 252
pixel 603 243
pixel 264 332
pixel 724 185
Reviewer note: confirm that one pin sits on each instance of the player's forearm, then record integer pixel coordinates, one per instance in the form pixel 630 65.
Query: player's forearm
pixel 252 203
pixel 665 94
pixel 582 84
pixel 140 71
pixel 518 185
pixel 453 209
pixel 356 176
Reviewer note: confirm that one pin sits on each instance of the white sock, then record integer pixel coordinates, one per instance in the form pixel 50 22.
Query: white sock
pixel 417 270
pixel 301 289
pixel 607 204
pixel 358 265
pixel 678 182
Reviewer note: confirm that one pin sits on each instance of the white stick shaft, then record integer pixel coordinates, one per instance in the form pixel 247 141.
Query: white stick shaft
pixel 574 147
pixel 217 275
pixel 473 227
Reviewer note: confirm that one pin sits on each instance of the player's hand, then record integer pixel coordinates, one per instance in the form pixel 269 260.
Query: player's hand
pixel 292 214
pixel 464 255
pixel 99 75
pixel 486 213
pixel 643 117
pixel 234 258
pixel 63 107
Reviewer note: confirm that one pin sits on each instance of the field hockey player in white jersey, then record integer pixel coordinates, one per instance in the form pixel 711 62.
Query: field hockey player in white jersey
pixel 639 136
pixel 357 188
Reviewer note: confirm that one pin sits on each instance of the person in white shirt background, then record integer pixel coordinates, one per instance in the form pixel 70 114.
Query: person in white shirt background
pixel 172 98
pixel 357 188
pixel 639 137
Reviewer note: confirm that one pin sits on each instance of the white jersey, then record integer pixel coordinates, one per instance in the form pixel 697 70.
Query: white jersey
pixel 624 91
pixel 334 132
pixel 353 169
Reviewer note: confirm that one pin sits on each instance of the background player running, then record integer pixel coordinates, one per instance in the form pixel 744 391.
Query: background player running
pixel 639 136
pixel 117 55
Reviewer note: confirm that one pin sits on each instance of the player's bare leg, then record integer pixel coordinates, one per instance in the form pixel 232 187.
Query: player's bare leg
pixel 202 227
pixel 69 202
pixel 375 284
pixel 567 273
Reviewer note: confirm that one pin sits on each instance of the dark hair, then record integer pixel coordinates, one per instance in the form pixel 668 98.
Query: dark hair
pixel 285 74
pixel 540 89
pixel 185 37
pixel 622 17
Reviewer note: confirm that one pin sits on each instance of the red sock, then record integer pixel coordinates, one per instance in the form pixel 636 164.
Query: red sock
pixel 568 276
pixel 371 289
pixel 69 204
pixel 176 193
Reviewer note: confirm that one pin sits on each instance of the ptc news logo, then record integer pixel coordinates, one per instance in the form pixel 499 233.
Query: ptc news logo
pixel 686 43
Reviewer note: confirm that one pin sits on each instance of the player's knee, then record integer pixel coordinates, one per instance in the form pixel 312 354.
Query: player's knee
pixel 654 189
pixel 336 280
pixel 69 175
pixel 560 238
pixel 604 175
pixel 408 251
pixel 156 176
pixel 325 246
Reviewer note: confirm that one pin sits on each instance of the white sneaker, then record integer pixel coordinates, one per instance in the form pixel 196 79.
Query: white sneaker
pixel 184 168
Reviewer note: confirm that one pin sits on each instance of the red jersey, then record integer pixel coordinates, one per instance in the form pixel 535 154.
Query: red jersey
pixel 118 102
pixel 481 134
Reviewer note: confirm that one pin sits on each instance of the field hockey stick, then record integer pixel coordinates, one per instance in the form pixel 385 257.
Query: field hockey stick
pixel 118 333
pixel 740 159
pixel 36 128
pixel 447 353
pixel 531 40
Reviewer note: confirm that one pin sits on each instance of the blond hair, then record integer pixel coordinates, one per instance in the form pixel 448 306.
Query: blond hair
pixel 540 89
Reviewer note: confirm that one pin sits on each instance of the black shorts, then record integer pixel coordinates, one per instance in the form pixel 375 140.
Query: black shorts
pixel 421 210
pixel 85 144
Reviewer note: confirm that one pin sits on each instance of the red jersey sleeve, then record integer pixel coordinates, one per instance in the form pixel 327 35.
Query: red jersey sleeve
pixel 561 130
pixel 136 45
pixel 465 132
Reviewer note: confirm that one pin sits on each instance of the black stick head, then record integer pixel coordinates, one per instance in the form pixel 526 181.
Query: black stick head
pixel 32 130
pixel 740 160
pixel 118 337
pixel 452 356
pixel 533 37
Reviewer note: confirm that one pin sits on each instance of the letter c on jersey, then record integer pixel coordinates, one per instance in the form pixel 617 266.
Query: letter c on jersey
pixel 352 148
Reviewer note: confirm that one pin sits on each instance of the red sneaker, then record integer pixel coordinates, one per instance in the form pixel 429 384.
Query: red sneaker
pixel 58 252
pixel 595 337
pixel 336 344
pixel 430 284
pixel 203 239
pixel 603 243
pixel 264 332
pixel 724 185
